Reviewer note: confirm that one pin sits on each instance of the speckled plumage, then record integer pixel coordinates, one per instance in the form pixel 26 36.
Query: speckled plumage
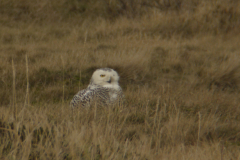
pixel 103 89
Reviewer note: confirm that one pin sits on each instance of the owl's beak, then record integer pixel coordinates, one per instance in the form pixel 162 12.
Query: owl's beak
pixel 109 80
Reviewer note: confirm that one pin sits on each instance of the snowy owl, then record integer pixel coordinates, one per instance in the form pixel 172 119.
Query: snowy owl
pixel 103 88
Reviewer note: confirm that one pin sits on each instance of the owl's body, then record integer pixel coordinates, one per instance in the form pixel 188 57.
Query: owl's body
pixel 103 89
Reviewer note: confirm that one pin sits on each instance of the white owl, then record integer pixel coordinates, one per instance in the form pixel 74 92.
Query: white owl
pixel 103 89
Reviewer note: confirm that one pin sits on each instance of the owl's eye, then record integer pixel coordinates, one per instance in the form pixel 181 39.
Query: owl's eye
pixel 102 75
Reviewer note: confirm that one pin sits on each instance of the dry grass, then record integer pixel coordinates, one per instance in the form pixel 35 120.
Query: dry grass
pixel 179 69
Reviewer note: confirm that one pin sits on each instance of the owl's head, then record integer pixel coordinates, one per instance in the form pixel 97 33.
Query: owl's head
pixel 105 77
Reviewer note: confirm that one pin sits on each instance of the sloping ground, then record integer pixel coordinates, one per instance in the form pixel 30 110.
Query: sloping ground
pixel 178 66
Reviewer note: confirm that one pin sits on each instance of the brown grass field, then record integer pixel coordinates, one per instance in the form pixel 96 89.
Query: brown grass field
pixel 179 67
